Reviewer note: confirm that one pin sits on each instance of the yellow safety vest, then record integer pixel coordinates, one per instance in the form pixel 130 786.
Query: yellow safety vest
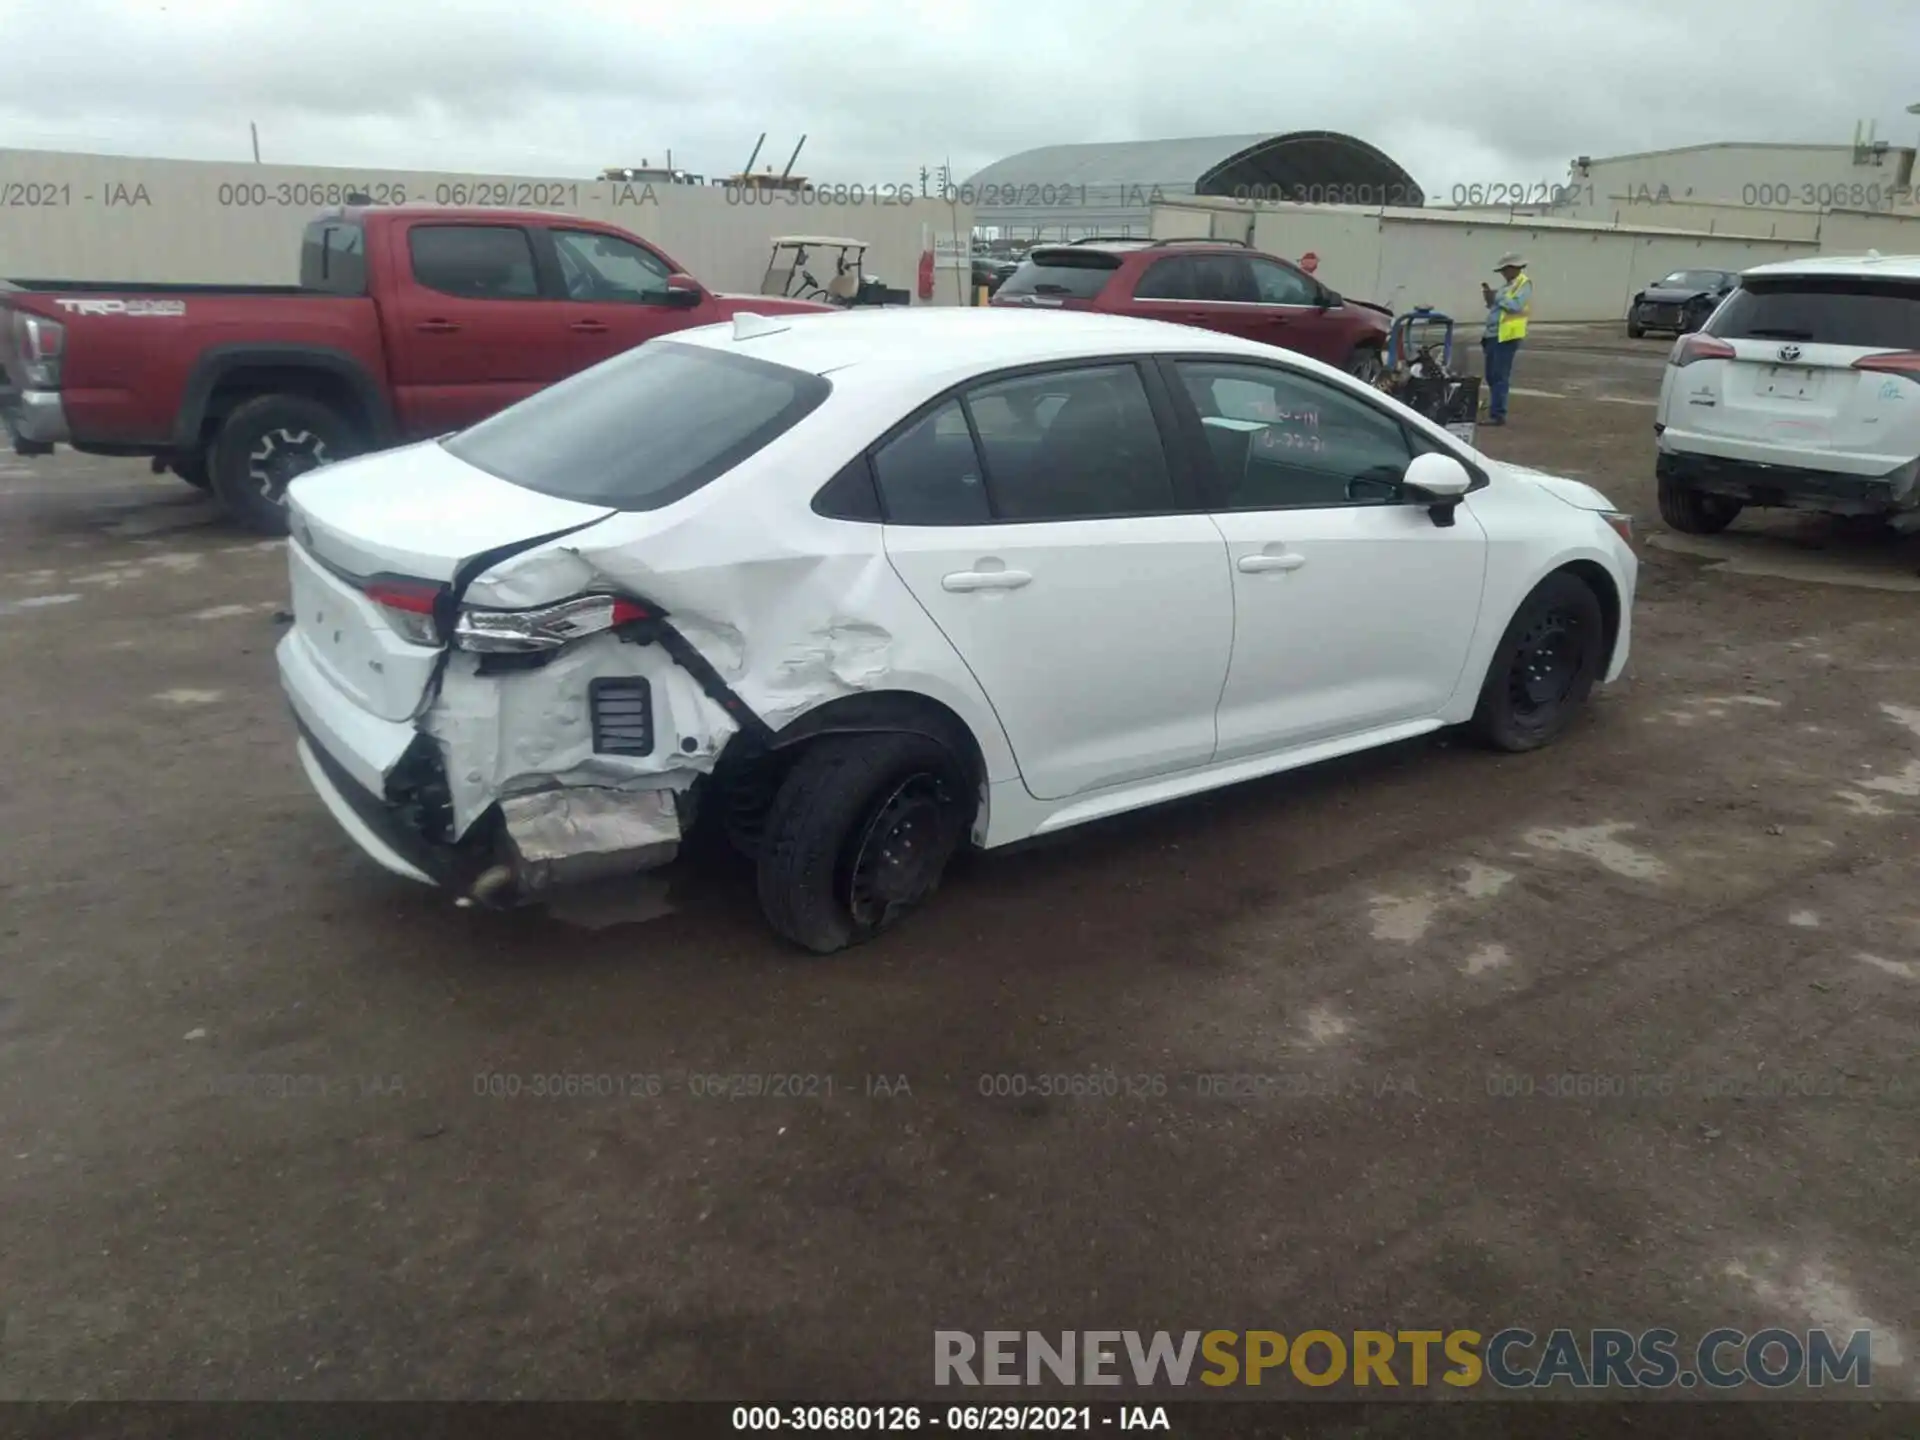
pixel 1513 323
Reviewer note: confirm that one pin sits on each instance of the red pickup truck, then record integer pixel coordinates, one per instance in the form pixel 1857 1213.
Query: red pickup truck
pixel 407 323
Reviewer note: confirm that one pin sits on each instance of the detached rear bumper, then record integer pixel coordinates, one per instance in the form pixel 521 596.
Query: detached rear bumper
pixel 1791 486
pixel 36 420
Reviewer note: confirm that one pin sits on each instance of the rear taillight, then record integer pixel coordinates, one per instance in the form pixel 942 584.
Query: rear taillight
pixel 40 342
pixel 549 627
pixel 408 606
pixel 1689 348
pixel 1893 362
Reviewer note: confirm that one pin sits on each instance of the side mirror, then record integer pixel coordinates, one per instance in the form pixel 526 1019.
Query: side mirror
pixel 1439 482
pixel 683 292
pixel 1329 299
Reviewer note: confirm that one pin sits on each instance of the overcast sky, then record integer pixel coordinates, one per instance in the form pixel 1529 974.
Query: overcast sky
pixel 564 88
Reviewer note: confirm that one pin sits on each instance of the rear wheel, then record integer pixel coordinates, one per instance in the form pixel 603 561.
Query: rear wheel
pixel 1635 329
pixel 1545 667
pixel 858 837
pixel 1693 512
pixel 263 445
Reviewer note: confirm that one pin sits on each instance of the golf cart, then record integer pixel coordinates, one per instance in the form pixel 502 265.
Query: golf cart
pixel 791 276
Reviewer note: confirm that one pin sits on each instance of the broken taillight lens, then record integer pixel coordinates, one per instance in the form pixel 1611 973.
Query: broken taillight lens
pixel 547 627
pixel 408 606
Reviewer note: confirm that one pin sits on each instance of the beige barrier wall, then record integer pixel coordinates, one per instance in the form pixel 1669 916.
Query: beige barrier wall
pixel 1403 258
pixel 92 217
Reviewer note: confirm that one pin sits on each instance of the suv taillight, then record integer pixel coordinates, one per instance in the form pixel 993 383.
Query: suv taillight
pixel 39 342
pixel 548 627
pixel 1689 348
pixel 1893 362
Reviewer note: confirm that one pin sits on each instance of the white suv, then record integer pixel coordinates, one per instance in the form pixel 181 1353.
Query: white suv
pixel 857 588
pixel 1802 390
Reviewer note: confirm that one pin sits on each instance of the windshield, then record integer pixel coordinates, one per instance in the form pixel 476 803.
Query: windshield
pixel 643 429
pixel 1694 279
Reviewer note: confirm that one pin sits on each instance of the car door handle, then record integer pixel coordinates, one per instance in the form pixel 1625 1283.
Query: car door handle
pixel 437 327
pixel 962 580
pixel 588 327
pixel 1255 564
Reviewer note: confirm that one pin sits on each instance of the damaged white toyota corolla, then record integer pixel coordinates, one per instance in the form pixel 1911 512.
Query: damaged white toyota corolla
pixel 859 589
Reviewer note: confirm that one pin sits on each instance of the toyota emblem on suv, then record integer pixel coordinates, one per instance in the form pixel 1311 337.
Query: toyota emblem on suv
pixel 1789 352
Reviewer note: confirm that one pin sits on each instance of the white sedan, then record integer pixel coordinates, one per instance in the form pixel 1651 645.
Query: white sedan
pixel 859 589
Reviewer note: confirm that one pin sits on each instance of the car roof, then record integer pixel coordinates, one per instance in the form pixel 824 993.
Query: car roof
pixel 1124 246
pixel 1894 267
pixel 948 343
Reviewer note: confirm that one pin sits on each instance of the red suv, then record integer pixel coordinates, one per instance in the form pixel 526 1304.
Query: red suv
pixel 1215 284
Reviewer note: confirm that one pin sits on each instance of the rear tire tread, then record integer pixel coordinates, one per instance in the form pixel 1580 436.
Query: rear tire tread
pixel 826 794
pixel 1692 512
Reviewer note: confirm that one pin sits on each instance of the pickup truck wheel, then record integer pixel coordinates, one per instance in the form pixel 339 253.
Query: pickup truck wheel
pixel 1545 667
pixel 263 445
pixel 858 837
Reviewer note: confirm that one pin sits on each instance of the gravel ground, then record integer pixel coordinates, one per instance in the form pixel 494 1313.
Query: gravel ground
pixel 1703 897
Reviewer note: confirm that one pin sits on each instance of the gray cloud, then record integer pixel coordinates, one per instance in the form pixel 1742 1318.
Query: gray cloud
pixel 1476 90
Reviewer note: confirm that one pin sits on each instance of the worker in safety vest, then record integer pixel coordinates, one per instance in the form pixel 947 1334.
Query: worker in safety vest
pixel 1507 311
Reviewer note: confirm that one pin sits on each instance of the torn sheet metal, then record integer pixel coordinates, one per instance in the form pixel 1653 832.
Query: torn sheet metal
pixel 532 730
pixel 564 837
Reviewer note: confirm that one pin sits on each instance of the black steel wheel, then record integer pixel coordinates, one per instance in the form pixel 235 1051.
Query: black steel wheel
pixel 1547 663
pixel 858 837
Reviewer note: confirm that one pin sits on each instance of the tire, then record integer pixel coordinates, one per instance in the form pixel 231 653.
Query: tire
pixel 1366 364
pixel 1635 331
pixel 192 469
pixel 1545 667
pixel 266 442
pixel 1693 512
pixel 823 877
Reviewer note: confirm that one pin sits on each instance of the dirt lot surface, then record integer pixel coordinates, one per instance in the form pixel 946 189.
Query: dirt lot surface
pixel 248 1149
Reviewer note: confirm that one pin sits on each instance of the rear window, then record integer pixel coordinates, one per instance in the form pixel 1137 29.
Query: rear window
pixel 333 258
pixel 643 429
pixel 1823 310
pixel 1062 274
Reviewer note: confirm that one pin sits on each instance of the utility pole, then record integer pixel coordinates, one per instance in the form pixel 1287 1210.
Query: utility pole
pixel 254 130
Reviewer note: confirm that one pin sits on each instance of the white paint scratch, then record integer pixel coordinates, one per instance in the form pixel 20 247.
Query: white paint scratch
pixel 1859 804
pixel 1907 782
pixel 1402 920
pixel 188 697
pixel 1482 882
pixel 35 602
pixel 1597 843
pixel 1902 715
pixel 1905 969
pixel 1488 957
pixel 1325 1025
pixel 1825 1303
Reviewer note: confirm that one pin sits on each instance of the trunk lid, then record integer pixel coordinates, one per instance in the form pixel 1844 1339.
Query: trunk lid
pixel 371 542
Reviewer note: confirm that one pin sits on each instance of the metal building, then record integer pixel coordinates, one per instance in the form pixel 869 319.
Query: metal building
pixel 1062 191
pixel 1867 175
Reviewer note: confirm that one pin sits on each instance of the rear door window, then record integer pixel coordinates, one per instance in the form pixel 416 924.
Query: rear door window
pixel 474 262
pixel 1066 274
pixel 1867 314
pixel 643 429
